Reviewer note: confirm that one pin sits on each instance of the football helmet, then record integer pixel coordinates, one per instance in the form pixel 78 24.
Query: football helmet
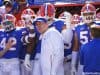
pixel 66 17
pixel 9 22
pixel 28 15
pixel 88 13
pixel 47 10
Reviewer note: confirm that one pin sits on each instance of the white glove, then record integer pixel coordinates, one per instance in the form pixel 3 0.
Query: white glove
pixel 27 63
pixel 73 62
pixel 73 70
pixel 80 70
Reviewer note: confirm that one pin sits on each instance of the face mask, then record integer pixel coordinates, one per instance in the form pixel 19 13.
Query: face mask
pixel 8 26
pixel 67 35
pixel 89 18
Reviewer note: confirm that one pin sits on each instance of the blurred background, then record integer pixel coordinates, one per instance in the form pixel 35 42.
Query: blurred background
pixel 61 5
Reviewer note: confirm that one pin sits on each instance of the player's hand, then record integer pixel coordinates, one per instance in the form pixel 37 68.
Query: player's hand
pixel 27 63
pixel 65 60
pixel 8 45
pixel 73 71
pixel 74 62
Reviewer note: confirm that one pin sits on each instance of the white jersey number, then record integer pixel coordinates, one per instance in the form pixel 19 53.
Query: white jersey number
pixel 83 37
pixel 3 43
pixel 68 46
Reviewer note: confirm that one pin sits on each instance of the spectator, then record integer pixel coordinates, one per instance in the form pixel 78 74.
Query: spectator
pixel 5 9
pixel 16 7
pixel 1 2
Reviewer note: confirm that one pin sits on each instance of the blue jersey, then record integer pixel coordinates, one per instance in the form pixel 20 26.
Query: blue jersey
pixel 23 47
pixel 68 48
pixel 38 45
pixel 83 33
pixel 15 36
pixel 90 56
pixel 23 51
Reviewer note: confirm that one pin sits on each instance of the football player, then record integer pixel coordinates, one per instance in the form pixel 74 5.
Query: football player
pixel 82 33
pixel 75 20
pixel 67 33
pixel 28 16
pixel 89 53
pixel 11 42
